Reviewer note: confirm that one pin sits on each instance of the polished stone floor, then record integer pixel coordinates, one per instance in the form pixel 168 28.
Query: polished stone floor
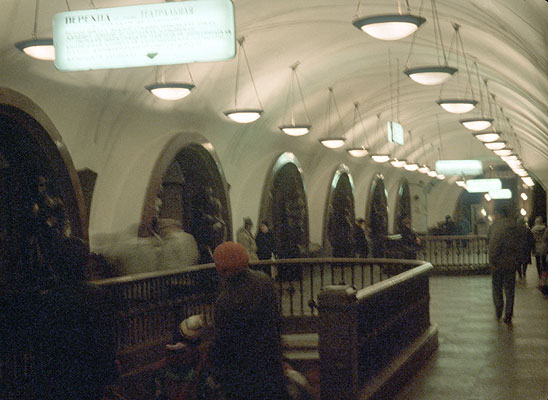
pixel 479 358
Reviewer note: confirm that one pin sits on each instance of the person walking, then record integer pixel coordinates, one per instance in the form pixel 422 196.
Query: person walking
pixel 539 230
pixel 246 239
pixel 526 251
pixel 265 242
pixel 506 239
pixel 246 354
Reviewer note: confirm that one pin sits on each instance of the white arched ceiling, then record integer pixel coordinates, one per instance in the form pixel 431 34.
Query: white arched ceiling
pixel 107 119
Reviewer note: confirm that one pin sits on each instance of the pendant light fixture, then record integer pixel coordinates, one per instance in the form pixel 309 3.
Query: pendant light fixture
pixel 332 142
pixel 503 152
pixel 411 166
pixel 460 104
pixel 487 137
pixel 244 115
pixel 389 26
pixel 41 49
pixel 358 151
pixel 481 123
pixel 291 127
pixel 170 91
pixel 380 157
pixel 431 74
pixel 398 162
pixel 495 145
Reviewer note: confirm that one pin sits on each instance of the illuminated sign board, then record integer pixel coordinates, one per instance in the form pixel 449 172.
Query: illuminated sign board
pixel 395 132
pixel 483 185
pixel 459 167
pixel 146 35
pixel 501 194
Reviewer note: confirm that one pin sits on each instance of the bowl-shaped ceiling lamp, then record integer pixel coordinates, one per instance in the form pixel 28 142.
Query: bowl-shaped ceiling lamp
pixel 456 106
pixel 461 182
pixel 170 90
pixel 476 124
pixel 380 158
pixel 358 152
pixel 431 75
pixel 244 115
pixel 503 152
pixel 432 173
pixel 398 163
pixel 424 169
pixel 411 167
pixel 332 143
pixel 528 181
pixel 389 26
pixel 289 125
pixel 438 176
pixel 487 137
pixel 41 49
pixel 495 145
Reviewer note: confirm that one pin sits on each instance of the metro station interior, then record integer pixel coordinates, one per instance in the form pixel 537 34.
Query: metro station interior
pixel 338 125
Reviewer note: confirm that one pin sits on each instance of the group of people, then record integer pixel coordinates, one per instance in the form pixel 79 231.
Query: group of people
pixel 510 243
pixel 259 247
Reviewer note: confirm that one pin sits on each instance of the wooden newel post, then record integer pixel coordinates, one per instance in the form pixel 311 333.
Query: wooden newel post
pixel 338 343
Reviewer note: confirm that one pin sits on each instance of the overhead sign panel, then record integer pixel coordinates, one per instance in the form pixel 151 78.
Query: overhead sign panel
pixel 501 194
pixel 483 185
pixel 146 35
pixel 395 132
pixel 459 167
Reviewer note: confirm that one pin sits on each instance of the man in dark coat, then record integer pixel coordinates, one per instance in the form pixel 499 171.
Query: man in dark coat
pixel 77 327
pixel 247 352
pixel 506 240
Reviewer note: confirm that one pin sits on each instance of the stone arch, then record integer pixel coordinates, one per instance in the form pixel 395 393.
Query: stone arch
pixel 403 204
pixel 339 214
pixel 188 185
pixel 376 215
pixel 285 208
pixel 41 195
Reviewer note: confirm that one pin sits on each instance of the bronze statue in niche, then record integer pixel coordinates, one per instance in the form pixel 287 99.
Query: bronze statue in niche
pixel 341 219
pixel 378 217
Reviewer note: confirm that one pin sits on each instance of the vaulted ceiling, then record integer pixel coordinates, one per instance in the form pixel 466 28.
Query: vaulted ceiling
pixel 507 39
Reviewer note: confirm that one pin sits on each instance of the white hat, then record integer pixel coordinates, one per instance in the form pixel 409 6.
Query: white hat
pixel 191 328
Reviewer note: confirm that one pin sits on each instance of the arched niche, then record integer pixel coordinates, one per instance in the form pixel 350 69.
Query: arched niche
pixel 284 207
pixel 339 214
pixel 188 185
pixel 41 199
pixel 376 215
pixel 403 204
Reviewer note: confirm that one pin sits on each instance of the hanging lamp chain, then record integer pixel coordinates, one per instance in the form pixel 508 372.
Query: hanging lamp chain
pixel 363 126
pixel 413 40
pixel 479 89
pixel 251 75
pixel 35 27
pixel 68 7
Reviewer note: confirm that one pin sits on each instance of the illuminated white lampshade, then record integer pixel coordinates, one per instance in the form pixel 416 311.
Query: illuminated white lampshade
pixel 170 91
pixel 332 143
pixel 380 158
pixel 411 167
pixel 528 181
pixel 487 197
pixel 487 137
pixel 424 169
pixel 434 174
pixel 397 163
pixel 389 27
pixel 521 172
pixel 523 212
pixel 524 196
pixel 500 194
pixel 509 157
pixel 514 163
pixel 483 185
pixel 244 116
pixel 295 130
pixel 358 152
pixel 503 152
pixel 495 145
pixel 41 49
pixel 434 75
pixel 455 106
pixel 476 124
pixel 461 182
pixel 439 176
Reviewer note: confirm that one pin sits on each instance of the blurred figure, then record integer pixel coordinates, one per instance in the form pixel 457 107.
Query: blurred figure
pixel 506 239
pixel 526 251
pixel 449 226
pixel 246 239
pixel 539 230
pixel 246 355
pixel 361 244
pixel 265 242
pixel 409 239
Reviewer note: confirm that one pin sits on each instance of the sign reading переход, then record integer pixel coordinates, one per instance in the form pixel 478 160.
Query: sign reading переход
pixel 146 35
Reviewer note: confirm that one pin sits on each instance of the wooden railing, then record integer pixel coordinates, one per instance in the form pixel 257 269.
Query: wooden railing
pixel 455 254
pixel 370 339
